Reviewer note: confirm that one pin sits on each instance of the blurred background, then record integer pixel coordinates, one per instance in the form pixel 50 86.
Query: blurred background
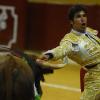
pixel 40 25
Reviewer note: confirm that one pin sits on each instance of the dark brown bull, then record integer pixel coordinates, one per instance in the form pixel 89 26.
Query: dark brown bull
pixel 19 73
pixel 38 70
pixel 16 78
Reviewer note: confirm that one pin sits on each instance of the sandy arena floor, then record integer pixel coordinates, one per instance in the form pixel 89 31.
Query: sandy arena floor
pixel 64 84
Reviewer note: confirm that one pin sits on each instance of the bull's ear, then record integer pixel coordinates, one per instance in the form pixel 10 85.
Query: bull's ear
pixel 34 55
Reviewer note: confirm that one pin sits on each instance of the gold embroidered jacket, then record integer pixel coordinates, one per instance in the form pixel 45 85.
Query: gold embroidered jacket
pixel 82 48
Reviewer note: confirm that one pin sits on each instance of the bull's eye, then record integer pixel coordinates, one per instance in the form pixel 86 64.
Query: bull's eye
pixel 0 11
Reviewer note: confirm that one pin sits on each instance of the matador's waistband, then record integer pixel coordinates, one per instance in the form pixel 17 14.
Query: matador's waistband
pixel 91 65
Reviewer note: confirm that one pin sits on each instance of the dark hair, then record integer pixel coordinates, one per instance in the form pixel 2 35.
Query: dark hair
pixel 75 9
pixel 16 79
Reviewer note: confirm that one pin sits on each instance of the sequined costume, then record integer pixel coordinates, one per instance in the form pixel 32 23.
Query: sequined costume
pixel 83 48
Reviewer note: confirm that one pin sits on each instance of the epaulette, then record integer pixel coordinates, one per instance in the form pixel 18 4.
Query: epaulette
pixel 92 31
